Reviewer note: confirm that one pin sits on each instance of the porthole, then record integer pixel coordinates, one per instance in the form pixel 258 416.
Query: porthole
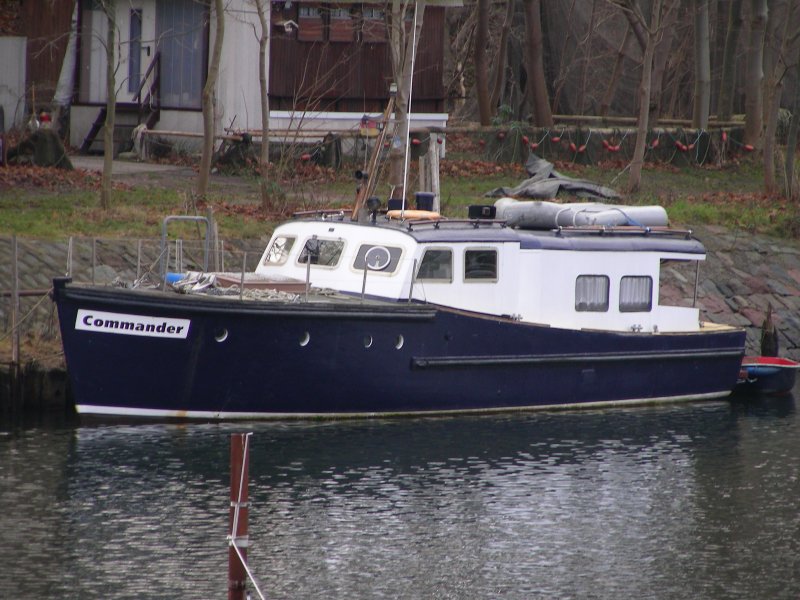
pixel 399 341
pixel 304 339
pixel 221 335
pixel 367 341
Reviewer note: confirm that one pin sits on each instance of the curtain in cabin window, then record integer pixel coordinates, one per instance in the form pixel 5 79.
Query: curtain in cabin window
pixel 635 294
pixel 591 293
pixel 181 27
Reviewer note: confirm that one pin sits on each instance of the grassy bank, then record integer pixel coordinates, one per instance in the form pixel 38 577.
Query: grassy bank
pixel 51 205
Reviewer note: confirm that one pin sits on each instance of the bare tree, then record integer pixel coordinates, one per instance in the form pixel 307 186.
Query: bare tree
pixel 791 187
pixel 500 70
pixel 208 99
pixel 702 65
pixel 661 52
pixel 781 46
pixel 263 81
pixel 537 84
pixel 652 29
pixel 611 88
pixel 109 6
pixel 728 79
pixel 755 74
pixel 402 49
pixel 481 62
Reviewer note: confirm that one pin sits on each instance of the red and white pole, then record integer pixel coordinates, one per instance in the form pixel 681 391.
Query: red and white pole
pixel 238 516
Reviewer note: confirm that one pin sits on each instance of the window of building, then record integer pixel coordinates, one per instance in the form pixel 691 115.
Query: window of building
pixel 373 26
pixel 311 27
pixel 591 293
pixel 378 258
pixel 325 253
pixel 436 265
pixel 341 26
pixel 279 250
pixel 480 264
pixel 635 294
pixel 135 51
pixel 182 43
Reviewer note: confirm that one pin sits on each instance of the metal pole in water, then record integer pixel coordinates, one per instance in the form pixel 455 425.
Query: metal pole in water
pixel 238 516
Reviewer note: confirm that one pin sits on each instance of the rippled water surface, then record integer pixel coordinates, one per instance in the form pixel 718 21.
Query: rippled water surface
pixel 695 501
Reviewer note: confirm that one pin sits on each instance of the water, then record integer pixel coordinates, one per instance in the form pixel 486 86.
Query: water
pixel 694 501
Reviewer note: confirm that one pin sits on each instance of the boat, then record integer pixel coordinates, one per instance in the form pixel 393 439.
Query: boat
pixel 767 375
pixel 403 316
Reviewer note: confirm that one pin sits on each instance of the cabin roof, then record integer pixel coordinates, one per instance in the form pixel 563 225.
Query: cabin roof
pixel 588 239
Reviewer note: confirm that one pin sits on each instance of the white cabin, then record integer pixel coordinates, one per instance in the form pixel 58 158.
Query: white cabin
pixel 604 279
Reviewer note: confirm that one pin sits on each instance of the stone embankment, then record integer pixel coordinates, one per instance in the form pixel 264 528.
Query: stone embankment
pixel 743 275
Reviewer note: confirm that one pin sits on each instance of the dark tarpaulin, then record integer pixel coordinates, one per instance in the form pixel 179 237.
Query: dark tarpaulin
pixel 546 182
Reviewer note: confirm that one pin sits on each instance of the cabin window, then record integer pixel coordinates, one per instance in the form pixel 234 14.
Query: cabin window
pixel 325 253
pixel 373 27
pixel 480 264
pixel 591 293
pixel 309 24
pixel 436 265
pixel 635 294
pixel 279 250
pixel 378 258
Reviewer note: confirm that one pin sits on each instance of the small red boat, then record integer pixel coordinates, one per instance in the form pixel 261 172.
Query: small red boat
pixel 767 375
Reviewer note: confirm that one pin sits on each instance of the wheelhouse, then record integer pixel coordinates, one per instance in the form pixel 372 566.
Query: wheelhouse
pixel 573 278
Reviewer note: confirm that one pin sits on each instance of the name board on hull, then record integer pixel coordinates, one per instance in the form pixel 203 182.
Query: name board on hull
pixel 106 322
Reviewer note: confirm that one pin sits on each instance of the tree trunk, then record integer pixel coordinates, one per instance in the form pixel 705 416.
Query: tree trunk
pixel 702 66
pixel 402 51
pixel 781 41
pixel 111 104
pixel 263 83
pixel 537 84
pixel 637 162
pixel 662 53
pixel 209 102
pixel 587 49
pixel 501 67
pixel 755 74
pixel 727 82
pixel 566 57
pixel 790 189
pixel 481 64
pixel 608 97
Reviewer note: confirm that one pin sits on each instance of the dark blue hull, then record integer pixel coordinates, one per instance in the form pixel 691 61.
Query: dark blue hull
pixel 247 359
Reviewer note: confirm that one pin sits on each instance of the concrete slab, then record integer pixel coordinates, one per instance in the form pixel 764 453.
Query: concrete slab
pixel 126 167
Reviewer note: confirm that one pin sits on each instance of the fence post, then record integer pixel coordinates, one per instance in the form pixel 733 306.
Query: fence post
pixel 14 302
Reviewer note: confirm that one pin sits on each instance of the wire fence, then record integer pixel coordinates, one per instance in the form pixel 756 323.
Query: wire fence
pixel 28 267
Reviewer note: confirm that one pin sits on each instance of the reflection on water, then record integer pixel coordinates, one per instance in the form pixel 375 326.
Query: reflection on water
pixel 670 502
